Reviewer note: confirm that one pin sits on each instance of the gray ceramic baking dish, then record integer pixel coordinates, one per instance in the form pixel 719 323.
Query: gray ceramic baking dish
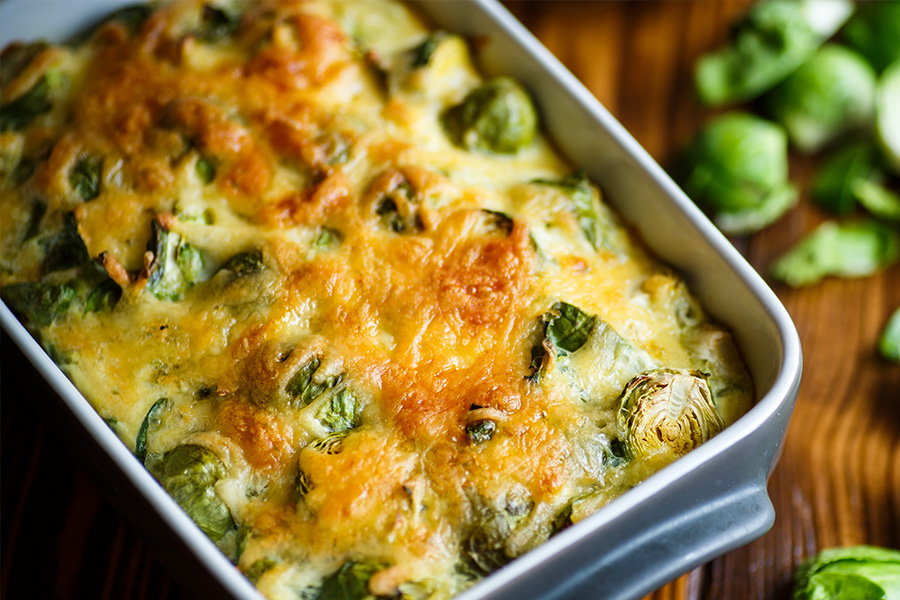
pixel 707 503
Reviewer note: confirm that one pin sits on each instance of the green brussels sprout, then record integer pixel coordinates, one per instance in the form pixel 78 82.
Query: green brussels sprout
pixel 852 573
pixel 736 169
pixel 586 204
pixel 39 303
pixel 481 431
pixel 887 115
pixel 498 116
pixel 189 474
pixel 874 30
pixel 18 114
pixel 880 201
pixel 829 96
pixel 854 249
pixel 667 409
pixel 244 263
pixel 566 329
pixel 305 387
pixel 205 169
pixel 16 57
pixel 340 412
pixel 773 39
pixel 832 187
pixel 85 177
pixel 140 443
pixel 889 341
pixel 176 266
pixel 351 581
pixel 64 249
pixel 216 24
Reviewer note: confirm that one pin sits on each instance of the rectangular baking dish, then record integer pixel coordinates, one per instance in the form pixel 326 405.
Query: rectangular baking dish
pixel 709 502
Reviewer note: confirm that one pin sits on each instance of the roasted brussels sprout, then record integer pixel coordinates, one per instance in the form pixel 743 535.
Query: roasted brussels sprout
pixel 306 387
pixel 17 114
pixel 874 30
pixel 852 573
pixel 667 409
pixel 64 249
pixel 244 263
pixel 216 24
pixel 832 94
pixel 16 57
pixel 852 249
pixel 39 303
pixel 85 177
pixel 351 582
pixel 340 412
pixel 771 41
pixel 176 265
pixel 566 329
pixel 586 204
pixel 189 474
pixel 889 341
pixel 495 117
pixel 736 169
pixel 481 431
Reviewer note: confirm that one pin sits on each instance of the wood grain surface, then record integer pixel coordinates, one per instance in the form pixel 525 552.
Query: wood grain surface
pixel 838 482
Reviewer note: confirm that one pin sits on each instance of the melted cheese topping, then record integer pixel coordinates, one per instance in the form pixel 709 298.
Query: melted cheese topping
pixel 367 380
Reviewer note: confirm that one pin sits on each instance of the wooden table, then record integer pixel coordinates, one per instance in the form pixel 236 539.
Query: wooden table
pixel 838 481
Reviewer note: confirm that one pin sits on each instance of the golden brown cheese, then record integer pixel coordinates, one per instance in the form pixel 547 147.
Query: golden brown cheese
pixel 360 350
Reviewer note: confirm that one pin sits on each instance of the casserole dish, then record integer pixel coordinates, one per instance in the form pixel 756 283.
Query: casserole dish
pixel 621 166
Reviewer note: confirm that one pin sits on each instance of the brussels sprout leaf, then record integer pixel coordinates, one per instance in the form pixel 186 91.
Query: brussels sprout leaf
pixel 65 249
pixel 874 31
pixel 585 201
pixel 189 474
pixel 176 264
pixel 422 53
pixel 140 443
pixel 103 297
pixel 341 412
pixel 566 329
pixel 38 303
pixel 847 250
pixel 832 187
pixel 85 177
pixel 877 199
pixel 852 573
pixel 350 582
pixel 19 113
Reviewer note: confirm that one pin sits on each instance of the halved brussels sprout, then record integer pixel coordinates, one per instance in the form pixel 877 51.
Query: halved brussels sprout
pixel 667 409
pixel 177 265
pixel 189 473
pixel 498 116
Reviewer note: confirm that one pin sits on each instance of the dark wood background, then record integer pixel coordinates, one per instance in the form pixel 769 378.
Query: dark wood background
pixel 838 482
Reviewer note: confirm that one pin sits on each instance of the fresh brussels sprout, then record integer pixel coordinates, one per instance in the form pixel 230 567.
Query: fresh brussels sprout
pixel 667 409
pixel 880 201
pixel 176 265
pixel 832 187
pixel 854 249
pixel 586 203
pixel 39 303
pixel 832 94
pixel 889 342
pixel 736 168
pixel 189 473
pixel 874 30
pixel 140 443
pixel 852 573
pixel 85 177
pixel 216 24
pixel 495 117
pixel 887 115
pixel 64 249
pixel 244 263
pixel 768 44
pixel 19 113
pixel 566 329
pixel 340 412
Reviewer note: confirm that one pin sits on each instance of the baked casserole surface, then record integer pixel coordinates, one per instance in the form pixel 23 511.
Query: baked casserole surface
pixel 339 294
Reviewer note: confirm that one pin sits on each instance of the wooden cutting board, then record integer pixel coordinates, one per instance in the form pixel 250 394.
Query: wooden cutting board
pixel 838 481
